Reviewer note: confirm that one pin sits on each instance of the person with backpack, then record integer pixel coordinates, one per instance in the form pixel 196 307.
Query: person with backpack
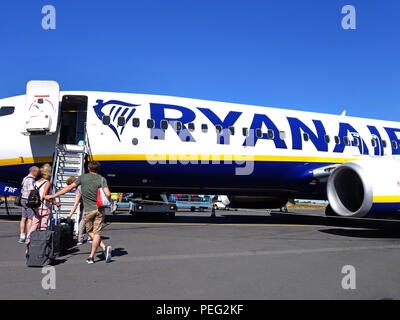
pixel 42 206
pixel 27 213
pixel 92 185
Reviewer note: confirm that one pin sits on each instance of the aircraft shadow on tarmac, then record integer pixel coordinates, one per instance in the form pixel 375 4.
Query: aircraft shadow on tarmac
pixel 376 228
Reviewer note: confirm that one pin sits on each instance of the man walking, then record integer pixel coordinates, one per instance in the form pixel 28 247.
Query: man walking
pixel 94 216
pixel 27 213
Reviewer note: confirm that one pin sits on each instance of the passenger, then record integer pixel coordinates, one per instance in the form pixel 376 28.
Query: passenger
pixel 91 182
pixel 114 201
pixel 81 218
pixel 42 214
pixel 27 213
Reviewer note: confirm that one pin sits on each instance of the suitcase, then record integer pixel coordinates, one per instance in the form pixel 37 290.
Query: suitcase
pixel 40 249
pixel 63 237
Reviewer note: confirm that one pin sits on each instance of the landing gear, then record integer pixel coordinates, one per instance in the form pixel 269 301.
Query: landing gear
pixel 329 212
pixel 171 214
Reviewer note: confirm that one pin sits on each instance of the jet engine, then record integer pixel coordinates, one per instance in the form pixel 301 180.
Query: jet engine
pixel 253 202
pixel 360 187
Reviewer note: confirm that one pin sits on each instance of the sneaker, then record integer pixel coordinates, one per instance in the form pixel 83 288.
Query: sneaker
pixel 79 243
pixel 90 260
pixel 21 240
pixel 108 253
pixel 90 241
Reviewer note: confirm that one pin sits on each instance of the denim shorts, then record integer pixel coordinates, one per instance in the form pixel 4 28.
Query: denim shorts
pixel 27 213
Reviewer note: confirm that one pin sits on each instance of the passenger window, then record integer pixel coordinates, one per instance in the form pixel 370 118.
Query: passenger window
pixel 204 127
pixel 178 125
pixel 271 134
pixel 306 136
pixel 384 144
pixel 106 120
pixel 150 123
pixel 373 142
pixel 135 141
pixel 282 135
pixel 218 128
pixel 245 132
pixel 356 141
pixel 121 121
pixel 5 111
pixel 327 138
pixel 232 131
pixel 136 122
pixel 259 133
pixel 346 140
pixel 164 124
pixel 337 140
pixel 395 144
pixel 191 126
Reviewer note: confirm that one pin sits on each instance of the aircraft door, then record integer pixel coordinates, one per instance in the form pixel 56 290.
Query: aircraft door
pixel 41 107
pixel 73 119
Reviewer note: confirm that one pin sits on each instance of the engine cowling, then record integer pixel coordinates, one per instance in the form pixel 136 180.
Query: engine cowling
pixel 360 187
pixel 254 202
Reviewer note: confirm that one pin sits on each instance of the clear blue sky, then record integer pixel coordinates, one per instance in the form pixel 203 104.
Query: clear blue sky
pixel 281 53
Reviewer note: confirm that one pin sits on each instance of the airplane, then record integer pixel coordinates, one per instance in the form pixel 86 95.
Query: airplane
pixel 258 156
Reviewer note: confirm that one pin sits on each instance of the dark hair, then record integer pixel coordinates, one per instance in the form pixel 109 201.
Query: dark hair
pixel 94 166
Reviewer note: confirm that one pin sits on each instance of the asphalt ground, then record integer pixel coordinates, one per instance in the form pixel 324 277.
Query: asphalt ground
pixel 244 254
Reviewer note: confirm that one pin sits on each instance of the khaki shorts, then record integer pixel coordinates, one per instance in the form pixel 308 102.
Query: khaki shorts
pixel 94 220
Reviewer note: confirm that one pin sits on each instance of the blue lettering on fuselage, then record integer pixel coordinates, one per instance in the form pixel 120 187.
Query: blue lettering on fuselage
pixel 258 121
pixel 378 149
pixel 297 127
pixel 158 113
pixel 344 130
pixel 394 139
pixel 119 109
pixel 230 120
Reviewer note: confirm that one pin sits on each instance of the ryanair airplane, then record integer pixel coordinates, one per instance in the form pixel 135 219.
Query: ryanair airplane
pixel 258 156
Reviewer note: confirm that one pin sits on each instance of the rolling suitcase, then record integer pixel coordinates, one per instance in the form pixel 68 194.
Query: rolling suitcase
pixel 40 249
pixel 63 237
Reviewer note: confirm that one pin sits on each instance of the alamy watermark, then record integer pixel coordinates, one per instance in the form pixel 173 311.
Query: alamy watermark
pixel 349 280
pixel 49 20
pixel 49 280
pixel 349 20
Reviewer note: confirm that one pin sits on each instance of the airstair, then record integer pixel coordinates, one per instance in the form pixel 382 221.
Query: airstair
pixel 69 161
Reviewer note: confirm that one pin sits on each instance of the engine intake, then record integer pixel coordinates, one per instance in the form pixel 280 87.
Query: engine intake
pixel 357 188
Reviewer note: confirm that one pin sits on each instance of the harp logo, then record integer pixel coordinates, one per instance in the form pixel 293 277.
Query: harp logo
pixel 115 109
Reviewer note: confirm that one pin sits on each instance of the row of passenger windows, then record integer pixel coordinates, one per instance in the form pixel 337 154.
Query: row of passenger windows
pixel 245 131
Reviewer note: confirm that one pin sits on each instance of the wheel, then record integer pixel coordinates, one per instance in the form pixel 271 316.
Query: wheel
pixel 329 212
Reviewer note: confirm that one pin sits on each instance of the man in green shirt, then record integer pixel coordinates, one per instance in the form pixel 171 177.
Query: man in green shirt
pixel 94 216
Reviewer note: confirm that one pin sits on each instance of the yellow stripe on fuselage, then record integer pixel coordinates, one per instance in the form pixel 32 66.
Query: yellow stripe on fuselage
pixel 182 157
pixel 386 199
pixel 199 157
pixel 23 160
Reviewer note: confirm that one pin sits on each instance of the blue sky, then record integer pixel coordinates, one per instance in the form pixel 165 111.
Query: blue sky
pixel 287 53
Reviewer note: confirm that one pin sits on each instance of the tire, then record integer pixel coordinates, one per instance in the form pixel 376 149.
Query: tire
pixel 329 212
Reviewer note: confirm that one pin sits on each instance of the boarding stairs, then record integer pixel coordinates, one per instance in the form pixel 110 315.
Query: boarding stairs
pixel 69 161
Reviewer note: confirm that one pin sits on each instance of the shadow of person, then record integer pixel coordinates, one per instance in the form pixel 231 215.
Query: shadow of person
pixel 117 252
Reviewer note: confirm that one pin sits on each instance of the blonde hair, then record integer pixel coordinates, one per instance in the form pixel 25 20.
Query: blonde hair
pixel 70 180
pixel 45 171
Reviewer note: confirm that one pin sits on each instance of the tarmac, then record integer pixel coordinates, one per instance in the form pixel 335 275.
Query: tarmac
pixel 244 254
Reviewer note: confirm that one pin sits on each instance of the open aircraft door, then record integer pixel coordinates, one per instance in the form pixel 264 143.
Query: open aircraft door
pixel 41 107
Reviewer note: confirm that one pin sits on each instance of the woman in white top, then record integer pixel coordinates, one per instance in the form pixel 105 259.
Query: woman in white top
pixel 42 214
